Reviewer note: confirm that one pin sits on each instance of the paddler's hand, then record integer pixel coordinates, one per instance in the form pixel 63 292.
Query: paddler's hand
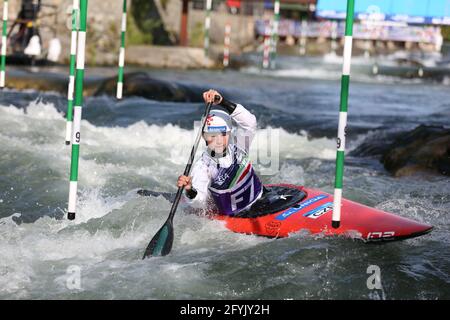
pixel 184 181
pixel 212 96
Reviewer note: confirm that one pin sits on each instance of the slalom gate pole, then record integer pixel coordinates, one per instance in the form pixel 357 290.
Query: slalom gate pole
pixel 266 52
pixel 304 25
pixel 73 58
pixel 345 83
pixel 207 26
pixel 4 44
pixel 76 137
pixel 226 47
pixel 274 42
pixel 122 52
pixel 334 30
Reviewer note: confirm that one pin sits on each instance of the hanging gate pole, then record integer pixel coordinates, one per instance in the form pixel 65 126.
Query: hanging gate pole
pixel 345 83
pixel 4 44
pixel 122 52
pixel 207 26
pixel 73 58
pixel 303 36
pixel 226 47
pixel 334 35
pixel 276 20
pixel 76 137
pixel 266 50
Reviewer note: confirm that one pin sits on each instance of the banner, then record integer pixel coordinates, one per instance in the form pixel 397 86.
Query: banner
pixel 364 31
pixel 429 12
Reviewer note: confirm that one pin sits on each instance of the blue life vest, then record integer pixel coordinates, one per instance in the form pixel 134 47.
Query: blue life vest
pixel 237 187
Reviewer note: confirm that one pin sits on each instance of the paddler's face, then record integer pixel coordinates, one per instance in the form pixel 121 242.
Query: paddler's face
pixel 217 142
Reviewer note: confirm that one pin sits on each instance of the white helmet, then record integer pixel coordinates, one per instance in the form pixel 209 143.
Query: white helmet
pixel 217 121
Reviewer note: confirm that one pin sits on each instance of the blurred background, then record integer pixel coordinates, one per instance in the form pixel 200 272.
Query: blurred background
pixel 411 35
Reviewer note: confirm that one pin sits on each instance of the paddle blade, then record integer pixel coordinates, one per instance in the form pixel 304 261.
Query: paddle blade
pixel 161 244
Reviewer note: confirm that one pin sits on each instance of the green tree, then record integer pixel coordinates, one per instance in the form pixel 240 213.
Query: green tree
pixel 446 32
pixel 145 24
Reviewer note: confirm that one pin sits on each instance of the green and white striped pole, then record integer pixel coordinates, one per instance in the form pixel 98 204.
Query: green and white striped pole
pixel 276 20
pixel 207 25
pixel 122 51
pixel 345 83
pixel 77 110
pixel 73 57
pixel 4 41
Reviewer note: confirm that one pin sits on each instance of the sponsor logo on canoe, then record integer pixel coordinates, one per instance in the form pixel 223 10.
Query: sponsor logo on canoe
pixel 300 206
pixel 273 227
pixel 319 211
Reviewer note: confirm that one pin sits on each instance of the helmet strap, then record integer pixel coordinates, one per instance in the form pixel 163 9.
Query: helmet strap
pixel 214 154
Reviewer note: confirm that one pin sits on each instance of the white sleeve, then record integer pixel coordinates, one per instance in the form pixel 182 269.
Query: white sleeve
pixel 246 130
pixel 200 182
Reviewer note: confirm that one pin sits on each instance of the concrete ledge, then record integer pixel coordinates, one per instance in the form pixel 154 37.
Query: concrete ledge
pixel 168 57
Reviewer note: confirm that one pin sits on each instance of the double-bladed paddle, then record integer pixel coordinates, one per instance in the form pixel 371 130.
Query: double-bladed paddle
pixel 161 244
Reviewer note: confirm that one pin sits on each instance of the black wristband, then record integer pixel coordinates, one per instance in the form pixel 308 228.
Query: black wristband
pixel 228 105
pixel 191 193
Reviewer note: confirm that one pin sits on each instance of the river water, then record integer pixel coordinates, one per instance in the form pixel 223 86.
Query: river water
pixel 139 143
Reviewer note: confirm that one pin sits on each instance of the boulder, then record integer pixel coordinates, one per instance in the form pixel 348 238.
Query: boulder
pixel 424 149
pixel 142 85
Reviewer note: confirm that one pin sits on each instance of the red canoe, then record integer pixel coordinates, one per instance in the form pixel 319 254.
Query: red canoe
pixel 289 209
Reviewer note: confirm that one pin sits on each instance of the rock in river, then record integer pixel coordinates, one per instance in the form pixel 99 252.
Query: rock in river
pixel 426 148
